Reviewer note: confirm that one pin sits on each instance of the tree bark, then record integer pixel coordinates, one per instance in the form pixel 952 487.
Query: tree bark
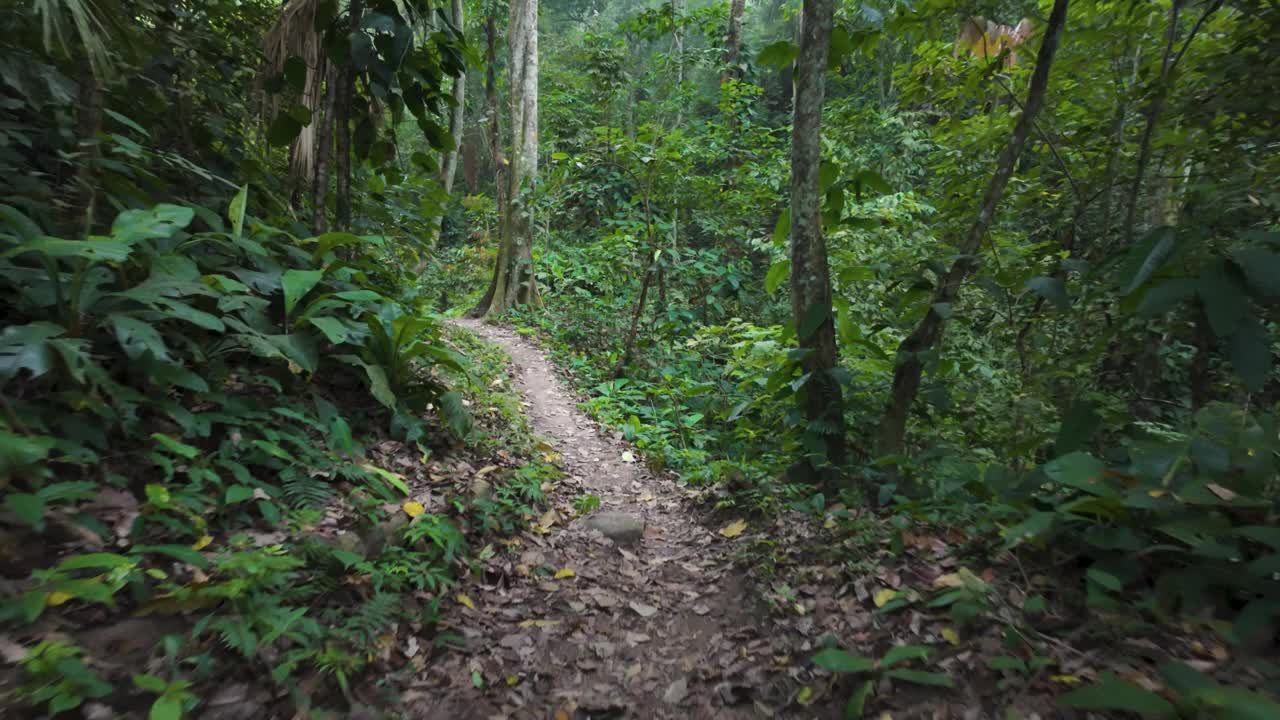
pixel 449 168
pixel 342 122
pixel 820 398
pixel 1163 85
pixel 491 109
pixel 910 366
pixel 513 279
pixel 88 124
pixel 733 41
pixel 324 146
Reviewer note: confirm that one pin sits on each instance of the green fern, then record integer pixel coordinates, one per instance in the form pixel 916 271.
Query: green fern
pixel 303 490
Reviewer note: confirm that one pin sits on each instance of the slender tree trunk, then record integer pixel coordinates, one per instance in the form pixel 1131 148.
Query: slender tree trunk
pixel 342 122
pixel 677 49
pixel 449 167
pixel 88 124
pixel 513 279
pixel 495 118
pixel 1163 85
pixel 910 366
pixel 733 42
pixel 449 162
pixel 470 163
pixel 820 397
pixel 324 146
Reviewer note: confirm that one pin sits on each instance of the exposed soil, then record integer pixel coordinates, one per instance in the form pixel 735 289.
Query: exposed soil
pixel 659 628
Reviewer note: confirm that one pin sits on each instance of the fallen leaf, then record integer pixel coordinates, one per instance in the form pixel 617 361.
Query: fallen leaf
pixel 548 518
pixel 676 692
pixel 1223 494
pixel 628 456
pixel 539 623
pixel 411 647
pixel 805 696
pixel 202 543
pixel 464 600
pixel 733 529
pixel 413 509
pixel 485 470
pixel 1065 679
pixel 950 580
pixel 513 680
pixel 882 597
pixel 951 636
pixel 10 651
pixel 643 610
pixel 563 573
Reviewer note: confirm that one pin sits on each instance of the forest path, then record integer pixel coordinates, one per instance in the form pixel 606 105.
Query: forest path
pixel 655 628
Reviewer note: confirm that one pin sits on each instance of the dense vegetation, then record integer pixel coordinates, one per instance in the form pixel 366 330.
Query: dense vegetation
pixel 1001 272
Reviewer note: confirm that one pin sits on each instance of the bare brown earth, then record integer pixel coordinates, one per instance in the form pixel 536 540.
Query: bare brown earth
pixel 660 628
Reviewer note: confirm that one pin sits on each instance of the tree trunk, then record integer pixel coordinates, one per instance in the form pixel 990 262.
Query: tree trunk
pixel 677 49
pixel 1161 95
pixel 910 367
pixel 732 42
pixel 342 123
pixel 513 279
pixel 491 109
pixel 820 397
pixel 324 145
pixel 470 163
pixel 449 167
pixel 88 124
pixel 449 162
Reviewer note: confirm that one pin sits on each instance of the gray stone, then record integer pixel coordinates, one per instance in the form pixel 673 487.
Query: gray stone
pixel 621 528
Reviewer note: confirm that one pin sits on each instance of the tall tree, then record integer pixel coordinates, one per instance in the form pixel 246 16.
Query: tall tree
pixel 820 397
pixel 513 280
pixel 342 123
pixel 491 110
pixel 910 364
pixel 733 41
pixel 449 167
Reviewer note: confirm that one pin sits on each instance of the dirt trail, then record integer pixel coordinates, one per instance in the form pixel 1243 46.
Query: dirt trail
pixel 652 629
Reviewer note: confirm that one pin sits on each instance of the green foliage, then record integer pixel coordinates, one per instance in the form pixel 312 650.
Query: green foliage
pixel 55 676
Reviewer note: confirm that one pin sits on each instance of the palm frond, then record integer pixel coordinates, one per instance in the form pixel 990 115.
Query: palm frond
pixel 84 19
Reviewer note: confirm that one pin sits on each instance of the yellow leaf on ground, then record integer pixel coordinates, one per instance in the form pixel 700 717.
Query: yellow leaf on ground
pixel 548 518
pixel 485 470
pixel 57 598
pixel 883 597
pixel 413 509
pixel 202 543
pixel 1065 679
pixel 950 580
pixel 805 696
pixel 464 600
pixel 513 679
pixel 951 636
pixel 734 529
pixel 563 573
pixel 539 623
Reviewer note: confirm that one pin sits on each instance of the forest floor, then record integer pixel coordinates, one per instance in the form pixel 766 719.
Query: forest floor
pixel 651 621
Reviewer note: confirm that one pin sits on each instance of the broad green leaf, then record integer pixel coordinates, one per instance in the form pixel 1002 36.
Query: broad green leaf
pixel 103 561
pixel 1223 297
pixel 238 493
pixel 297 283
pixel 166 707
pixel 777 275
pixel 1079 470
pixel 284 128
pixel 780 54
pixel 138 337
pixel 1262 269
pixel 858 700
pixel 235 213
pixel 1105 579
pixel 159 222
pixel 177 448
pixel 840 661
pixel 1162 242
pixel 1051 289
pixel 782 229
pixel 26 347
pixel 900 653
pixel 1250 353
pixel 26 507
pixel 93 248
pixel 332 327
pixel 1162 297
pixel 1112 693
pixel 178 552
